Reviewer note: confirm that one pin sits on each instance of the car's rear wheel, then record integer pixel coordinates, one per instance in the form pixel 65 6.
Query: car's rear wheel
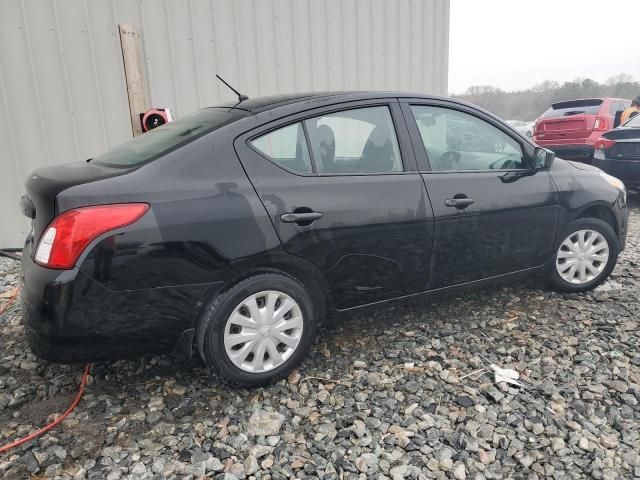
pixel 587 253
pixel 259 330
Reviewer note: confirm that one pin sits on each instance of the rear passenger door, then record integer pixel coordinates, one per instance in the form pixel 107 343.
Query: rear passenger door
pixel 493 213
pixel 341 186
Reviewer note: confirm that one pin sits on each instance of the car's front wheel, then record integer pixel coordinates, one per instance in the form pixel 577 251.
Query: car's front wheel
pixel 587 253
pixel 259 330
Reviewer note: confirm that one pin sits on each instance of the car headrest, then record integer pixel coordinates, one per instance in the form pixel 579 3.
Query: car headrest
pixel 326 145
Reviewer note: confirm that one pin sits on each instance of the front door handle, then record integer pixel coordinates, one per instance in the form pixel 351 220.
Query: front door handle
pixel 303 218
pixel 459 203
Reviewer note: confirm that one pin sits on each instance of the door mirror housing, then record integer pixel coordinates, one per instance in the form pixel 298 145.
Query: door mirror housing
pixel 543 158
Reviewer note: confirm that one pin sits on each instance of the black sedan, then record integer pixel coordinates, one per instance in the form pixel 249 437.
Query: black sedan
pixel 236 229
pixel 618 152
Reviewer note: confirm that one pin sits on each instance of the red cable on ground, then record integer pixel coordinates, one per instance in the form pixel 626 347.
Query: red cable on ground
pixel 12 299
pixel 46 428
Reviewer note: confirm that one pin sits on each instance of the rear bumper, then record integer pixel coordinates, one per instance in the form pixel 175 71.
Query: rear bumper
pixel 580 149
pixel 626 170
pixel 71 318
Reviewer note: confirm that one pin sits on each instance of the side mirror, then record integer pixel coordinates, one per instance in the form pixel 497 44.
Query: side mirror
pixel 543 158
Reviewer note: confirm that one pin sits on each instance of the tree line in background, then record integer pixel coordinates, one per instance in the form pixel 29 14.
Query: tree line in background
pixel 530 104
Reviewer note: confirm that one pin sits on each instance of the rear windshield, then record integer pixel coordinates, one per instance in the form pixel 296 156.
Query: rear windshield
pixel 161 140
pixel 634 122
pixel 573 107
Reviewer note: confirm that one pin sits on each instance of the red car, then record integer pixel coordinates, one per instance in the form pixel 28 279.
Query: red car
pixel 571 128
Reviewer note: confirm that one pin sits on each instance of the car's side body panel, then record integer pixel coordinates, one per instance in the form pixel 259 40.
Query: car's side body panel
pixel 374 239
pixel 136 289
pixel 580 191
pixel 511 224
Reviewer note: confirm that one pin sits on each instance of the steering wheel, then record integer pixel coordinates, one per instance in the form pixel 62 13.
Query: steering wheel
pixel 507 164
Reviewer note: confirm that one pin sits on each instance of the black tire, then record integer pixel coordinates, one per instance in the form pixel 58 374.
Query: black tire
pixel 210 331
pixel 600 226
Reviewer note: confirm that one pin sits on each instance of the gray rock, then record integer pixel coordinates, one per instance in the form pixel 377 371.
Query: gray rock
pixel 29 461
pixel 494 394
pixel 264 423
pixel 367 463
pixel 251 465
pixel 459 472
pixel 608 440
pixel 557 444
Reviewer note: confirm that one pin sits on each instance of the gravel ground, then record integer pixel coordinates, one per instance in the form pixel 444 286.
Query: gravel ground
pixel 396 393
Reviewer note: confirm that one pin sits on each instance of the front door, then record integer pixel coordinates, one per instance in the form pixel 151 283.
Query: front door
pixel 493 213
pixel 341 187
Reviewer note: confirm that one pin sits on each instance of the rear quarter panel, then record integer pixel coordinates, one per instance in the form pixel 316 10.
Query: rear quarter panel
pixel 204 215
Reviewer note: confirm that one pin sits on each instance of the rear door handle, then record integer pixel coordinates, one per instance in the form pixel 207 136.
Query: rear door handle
pixel 459 203
pixel 305 218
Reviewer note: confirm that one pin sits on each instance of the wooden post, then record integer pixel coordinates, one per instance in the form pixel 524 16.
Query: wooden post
pixel 133 58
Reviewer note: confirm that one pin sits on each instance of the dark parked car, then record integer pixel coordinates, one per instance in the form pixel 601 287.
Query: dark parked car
pixel 571 128
pixel 618 152
pixel 237 228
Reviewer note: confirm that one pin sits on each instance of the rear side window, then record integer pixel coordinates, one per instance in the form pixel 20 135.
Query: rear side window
pixel 286 147
pixel 573 107
pixel 355 141
pixel 162 140
pixel 616 107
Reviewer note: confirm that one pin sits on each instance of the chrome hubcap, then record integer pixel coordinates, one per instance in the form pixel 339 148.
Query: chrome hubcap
pixel 263 331
pixel 582 256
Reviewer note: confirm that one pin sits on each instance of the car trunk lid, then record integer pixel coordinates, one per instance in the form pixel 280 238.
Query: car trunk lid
pixel 627 143
pixel 44 184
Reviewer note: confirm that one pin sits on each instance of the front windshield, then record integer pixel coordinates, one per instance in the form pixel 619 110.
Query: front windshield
pixel 161 140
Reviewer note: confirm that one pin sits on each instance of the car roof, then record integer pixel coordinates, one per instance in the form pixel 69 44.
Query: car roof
pixel 261 104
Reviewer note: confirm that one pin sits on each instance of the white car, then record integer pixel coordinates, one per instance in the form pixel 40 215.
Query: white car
pixel 522 127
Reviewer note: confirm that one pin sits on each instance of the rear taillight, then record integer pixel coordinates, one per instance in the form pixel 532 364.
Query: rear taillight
pixel 604 143
pixel 601 146
pixel 601 124
pixel 69 233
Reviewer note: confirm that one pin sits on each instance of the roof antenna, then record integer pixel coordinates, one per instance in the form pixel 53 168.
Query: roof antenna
pixel 241 97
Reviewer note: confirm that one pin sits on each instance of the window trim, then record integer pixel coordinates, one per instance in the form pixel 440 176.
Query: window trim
pixel 403 138
pixel 417 142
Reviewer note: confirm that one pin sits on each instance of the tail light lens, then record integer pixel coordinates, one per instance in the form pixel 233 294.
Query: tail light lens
pixel 601 124
pixel 69 233
pixel 604 143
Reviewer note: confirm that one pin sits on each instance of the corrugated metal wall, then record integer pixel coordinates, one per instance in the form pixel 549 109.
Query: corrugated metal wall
pixel 62 88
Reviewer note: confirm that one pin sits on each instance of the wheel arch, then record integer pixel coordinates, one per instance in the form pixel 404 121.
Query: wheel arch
pixel 602 212
pixel 301 270
pixel 307 275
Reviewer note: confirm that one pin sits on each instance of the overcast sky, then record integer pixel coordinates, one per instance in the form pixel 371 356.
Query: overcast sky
pixel 515 44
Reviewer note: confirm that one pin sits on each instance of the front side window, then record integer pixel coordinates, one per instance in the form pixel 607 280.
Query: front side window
pixel 455 140
pixel 286 147
pixel 355 141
